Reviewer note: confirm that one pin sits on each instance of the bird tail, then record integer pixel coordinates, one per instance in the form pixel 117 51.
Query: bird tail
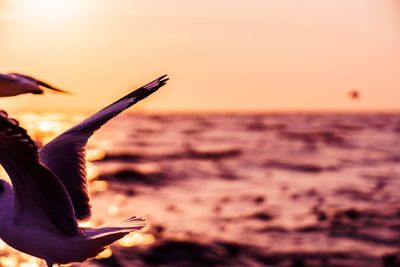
pixel 132 224
pixel 97 239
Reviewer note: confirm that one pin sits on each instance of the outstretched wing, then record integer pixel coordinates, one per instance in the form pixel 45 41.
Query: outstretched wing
pixel 40 198
pixel 39 82
pixel 65 155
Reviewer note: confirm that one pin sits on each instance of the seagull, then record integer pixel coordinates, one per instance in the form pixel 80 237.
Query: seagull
pixel 13 84
pixel 39 212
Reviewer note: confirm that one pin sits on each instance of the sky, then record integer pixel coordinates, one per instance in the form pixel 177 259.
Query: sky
pixel 236 55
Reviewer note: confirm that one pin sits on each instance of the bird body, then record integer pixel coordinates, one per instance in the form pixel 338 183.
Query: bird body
pixel 13 84
pixel 39 213
pixel 41 242
pixel 54 246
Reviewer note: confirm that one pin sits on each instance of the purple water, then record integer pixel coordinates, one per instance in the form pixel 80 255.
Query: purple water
pixel 247 190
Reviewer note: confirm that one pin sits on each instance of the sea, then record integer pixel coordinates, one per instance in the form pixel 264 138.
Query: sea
pixel 232 189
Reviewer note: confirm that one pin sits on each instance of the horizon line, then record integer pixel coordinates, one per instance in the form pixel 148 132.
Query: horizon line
pixel 220 111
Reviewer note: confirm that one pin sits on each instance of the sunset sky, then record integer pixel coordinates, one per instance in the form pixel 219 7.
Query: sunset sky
pixel 255 55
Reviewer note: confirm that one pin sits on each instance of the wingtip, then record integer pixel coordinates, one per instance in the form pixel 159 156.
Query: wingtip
pixel 157 83
pixel 163 79
pixel 66 92
pixel 58 90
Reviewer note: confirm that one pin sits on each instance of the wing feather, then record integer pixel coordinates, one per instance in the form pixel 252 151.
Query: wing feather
pixel 6 78
pixel 40 199
pixel 39 82
pixel 65 155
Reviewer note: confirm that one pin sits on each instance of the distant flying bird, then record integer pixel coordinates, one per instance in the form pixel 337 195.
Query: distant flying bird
pixel 354 94
pixel 49 193
pixel 13 84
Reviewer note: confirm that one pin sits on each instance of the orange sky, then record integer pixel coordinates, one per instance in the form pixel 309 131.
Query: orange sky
pixel 221 55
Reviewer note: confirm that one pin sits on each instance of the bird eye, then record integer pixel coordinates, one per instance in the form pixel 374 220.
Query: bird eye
pixel 1 187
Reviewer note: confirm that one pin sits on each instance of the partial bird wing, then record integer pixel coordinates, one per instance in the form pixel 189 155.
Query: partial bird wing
pixel 6 78
pixel 65 155
pixel 39 82
pixel 40 199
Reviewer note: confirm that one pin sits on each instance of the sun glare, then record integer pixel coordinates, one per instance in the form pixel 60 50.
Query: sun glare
pixel 48 8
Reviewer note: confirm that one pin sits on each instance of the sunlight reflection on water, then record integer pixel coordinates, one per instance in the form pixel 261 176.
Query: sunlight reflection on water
pixel 43 128
pixel 263 185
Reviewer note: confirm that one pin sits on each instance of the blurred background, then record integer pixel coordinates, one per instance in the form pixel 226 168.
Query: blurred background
pixel 275 143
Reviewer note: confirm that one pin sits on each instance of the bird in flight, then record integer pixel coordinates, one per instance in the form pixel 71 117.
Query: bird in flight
pixel 354 95
pixel 39 213
pixel 13 84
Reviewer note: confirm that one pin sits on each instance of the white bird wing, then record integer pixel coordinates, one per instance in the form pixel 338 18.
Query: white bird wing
pixel 65 155
pixel 40 199
pixel 39 82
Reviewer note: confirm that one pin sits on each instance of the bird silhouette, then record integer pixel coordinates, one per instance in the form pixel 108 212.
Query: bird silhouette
pixel 354 94
pixel 39 213
pixel 13 84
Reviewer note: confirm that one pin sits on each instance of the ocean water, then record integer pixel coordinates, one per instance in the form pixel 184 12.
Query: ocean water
pixel 242 189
